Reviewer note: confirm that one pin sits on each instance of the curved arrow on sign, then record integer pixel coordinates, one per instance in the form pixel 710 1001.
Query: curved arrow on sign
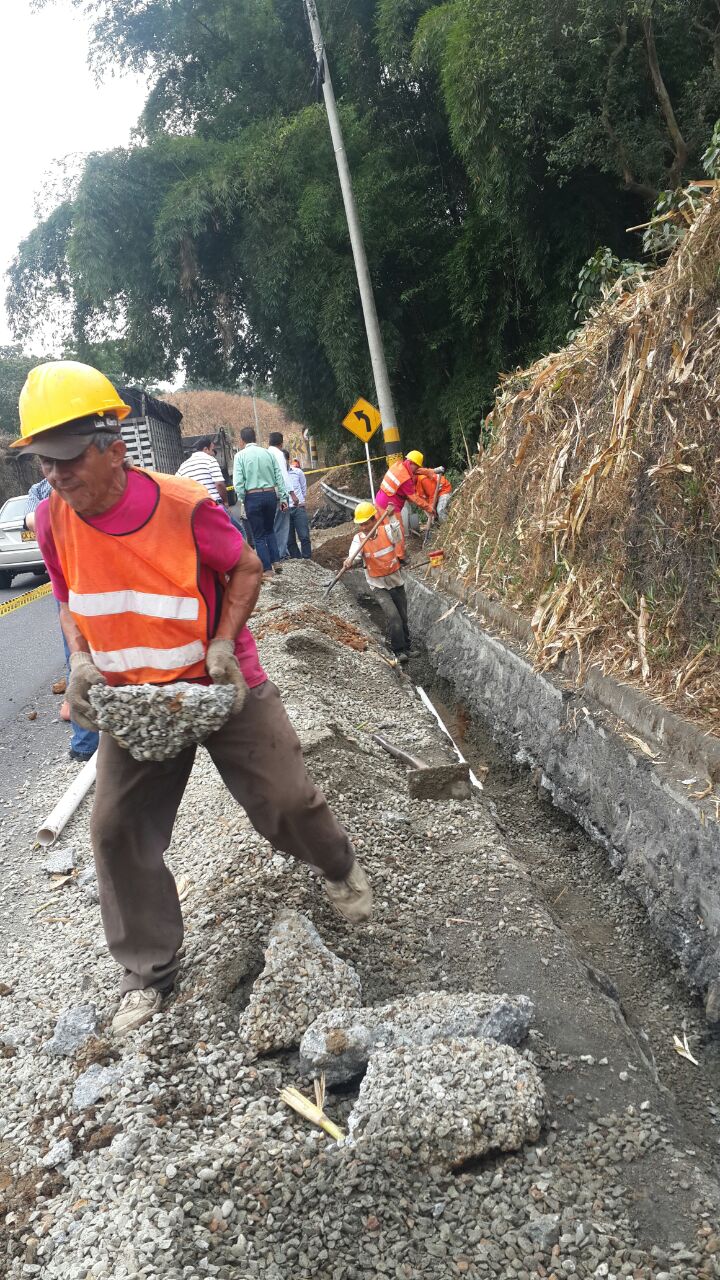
pixel 362 417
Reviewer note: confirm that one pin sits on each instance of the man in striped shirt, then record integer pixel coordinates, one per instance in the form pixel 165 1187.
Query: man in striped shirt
pixel 203 466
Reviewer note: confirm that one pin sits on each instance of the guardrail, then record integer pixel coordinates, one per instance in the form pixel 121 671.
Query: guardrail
pixel 340 499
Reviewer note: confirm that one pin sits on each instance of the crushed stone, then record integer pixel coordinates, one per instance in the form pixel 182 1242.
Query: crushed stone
pixel 207 1173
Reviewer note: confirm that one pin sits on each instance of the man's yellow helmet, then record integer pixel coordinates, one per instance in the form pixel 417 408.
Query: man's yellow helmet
pixel 415 456
pixel 62 391
pixel 364 511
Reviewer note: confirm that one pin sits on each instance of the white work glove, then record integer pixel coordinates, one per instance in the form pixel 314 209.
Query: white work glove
pixel 83 675
pixel 222 668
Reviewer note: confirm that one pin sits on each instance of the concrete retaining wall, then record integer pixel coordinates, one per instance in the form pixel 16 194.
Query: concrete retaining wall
pixel 665 846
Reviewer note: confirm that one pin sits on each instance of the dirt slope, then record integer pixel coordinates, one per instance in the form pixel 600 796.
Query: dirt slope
pixel 595 511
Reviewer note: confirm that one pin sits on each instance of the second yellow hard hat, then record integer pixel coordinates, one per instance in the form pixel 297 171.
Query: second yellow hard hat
pixel 364 511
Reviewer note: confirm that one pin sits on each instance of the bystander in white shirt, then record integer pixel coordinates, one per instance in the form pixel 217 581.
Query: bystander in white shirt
pixel 201 466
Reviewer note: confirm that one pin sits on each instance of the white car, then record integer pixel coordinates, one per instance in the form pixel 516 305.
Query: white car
pixel 19 551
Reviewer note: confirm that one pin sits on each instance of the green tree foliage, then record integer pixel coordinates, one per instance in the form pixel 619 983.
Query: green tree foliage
pixel 14 368
pixel 494 144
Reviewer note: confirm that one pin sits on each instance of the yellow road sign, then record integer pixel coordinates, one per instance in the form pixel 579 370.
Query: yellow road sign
pixel 363 420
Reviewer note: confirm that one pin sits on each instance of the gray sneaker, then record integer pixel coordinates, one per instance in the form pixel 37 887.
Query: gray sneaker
pixel 136 1007
pixel 352 897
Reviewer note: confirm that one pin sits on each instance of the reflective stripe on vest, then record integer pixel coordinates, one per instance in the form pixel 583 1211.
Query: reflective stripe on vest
pixel 135 596
pixel 96 603
pixel 396 476
pixel 123 660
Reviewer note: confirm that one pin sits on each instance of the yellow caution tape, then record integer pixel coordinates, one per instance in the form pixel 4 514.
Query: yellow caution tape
pixel 26 598
pixel 362 463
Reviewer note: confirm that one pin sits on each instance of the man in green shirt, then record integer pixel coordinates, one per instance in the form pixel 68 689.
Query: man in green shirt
pixel 258 482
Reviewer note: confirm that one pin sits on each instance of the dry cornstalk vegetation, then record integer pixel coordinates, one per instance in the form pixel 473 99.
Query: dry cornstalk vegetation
pixel 595 511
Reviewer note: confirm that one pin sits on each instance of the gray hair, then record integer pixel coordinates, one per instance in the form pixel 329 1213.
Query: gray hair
pixel 104 438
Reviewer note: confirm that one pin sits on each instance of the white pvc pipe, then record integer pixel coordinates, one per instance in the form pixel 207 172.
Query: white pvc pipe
pixel 475 780
pixel 50 829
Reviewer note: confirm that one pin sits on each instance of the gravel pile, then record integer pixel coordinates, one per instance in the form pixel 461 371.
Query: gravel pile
pixel 184 1164
pixel 340 1042
pixel 155 723
pixel 301 978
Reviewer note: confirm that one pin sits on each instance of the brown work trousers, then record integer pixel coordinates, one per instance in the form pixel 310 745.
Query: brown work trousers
pixel 258 757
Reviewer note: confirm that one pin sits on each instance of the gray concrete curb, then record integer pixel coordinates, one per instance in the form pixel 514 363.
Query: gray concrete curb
pixel 664 845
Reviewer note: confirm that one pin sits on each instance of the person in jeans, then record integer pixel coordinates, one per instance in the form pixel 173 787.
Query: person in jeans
pixel 259 485
pixel 83 742
pixel 282 515
pixel 156 587
pixel 381 547
pixel 299 525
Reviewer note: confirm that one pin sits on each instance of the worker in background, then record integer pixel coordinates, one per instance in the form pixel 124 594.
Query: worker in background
pixel 259 485
pixel 299 524
pixel 398 486
pixel 433 491
pixel 202 465
pixel 83 742
pixel 282 515
pixel 156 586
pixel 383 555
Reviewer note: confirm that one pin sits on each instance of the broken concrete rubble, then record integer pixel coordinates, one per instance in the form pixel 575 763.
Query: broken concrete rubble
pixel 59 862
pixel 341 1041
pixel 59 1153
pixel 301 978
pixel 73 1028
pixel 448 1102
pixel 95 1083
pixel 154 722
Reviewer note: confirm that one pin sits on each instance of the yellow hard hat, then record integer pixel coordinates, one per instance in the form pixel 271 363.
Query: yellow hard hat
pixel 62 391
pixel 415 456
pixel 364 511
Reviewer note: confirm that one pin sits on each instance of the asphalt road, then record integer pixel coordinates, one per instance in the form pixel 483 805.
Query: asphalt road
pixel 31 648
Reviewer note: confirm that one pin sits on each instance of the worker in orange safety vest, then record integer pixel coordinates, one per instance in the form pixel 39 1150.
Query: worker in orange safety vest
pixel 398 485
pixel 433 491
pixel 383 555
pixel 155 587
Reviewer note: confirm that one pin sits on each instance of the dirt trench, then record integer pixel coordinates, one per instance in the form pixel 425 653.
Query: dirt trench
pixel 603 920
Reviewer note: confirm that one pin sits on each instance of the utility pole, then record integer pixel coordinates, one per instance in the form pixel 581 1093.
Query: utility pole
pixel 257 427
pixel 391 433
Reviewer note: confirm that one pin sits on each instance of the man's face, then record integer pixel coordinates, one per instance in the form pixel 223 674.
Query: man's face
pixel 91 482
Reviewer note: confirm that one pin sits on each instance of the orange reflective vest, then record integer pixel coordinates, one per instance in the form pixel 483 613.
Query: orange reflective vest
pixel 136 597
pixel 380 554
pixel 398 474
pixel 426 485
